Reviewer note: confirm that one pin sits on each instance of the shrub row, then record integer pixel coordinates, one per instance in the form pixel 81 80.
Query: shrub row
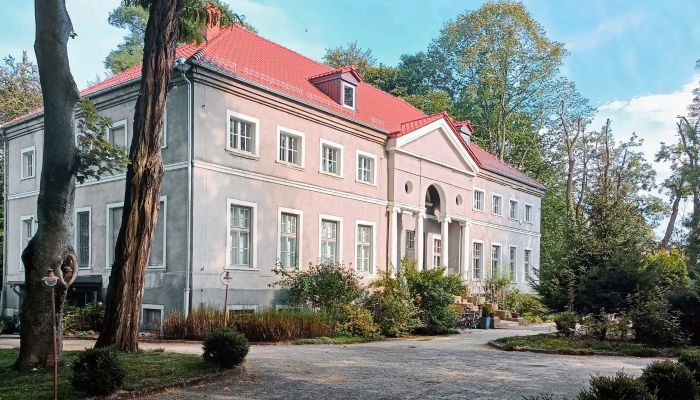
pixel 88 318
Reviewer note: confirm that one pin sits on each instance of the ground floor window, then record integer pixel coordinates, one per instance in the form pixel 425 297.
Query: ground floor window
pixel 495 260
pixel 437 252
pixel 329 241
pixel 513 262
pixel 364 248
pixel 151 318
pixel 527 259
pixel 410 240
pixel 289 240
pixel 477 262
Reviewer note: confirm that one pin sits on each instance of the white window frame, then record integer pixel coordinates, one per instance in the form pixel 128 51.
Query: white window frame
pixel 408 241
pixel 532 211
pixel 108 207
pixel 302 150
pixel 517 209
pixel 339 234
pixel 500 209
pixel 75 237
pixel 527 270
pixel 21 235
pixel 341 155
pixel 358 154
pixel 500 258
pixel 164 133
pixel 253 235
pixel 240 307
pixel 164 199
pixel 300 232
pixel 433 253
pixel 124 123
pixel 513 263
pixel 373 260
pixel 480 276
pixel 354 95
pixel 30 149
pixel 159 307
pixel 483 200
pixel 256 128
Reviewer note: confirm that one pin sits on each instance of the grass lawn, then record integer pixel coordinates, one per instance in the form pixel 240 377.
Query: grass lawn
pixel 584 345
pixel 144 370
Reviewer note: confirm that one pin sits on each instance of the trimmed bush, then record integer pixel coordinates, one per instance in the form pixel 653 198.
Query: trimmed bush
pixel 392 306
pixel 97 372
pixel 669 380
pixel 566 323
pixel 621 386
pixel 433 292
pixel 691 359
pixel 357 321
pixel 225 347
pixel 326 285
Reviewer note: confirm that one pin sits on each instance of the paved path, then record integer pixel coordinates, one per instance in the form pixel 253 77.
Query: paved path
pixel 453 367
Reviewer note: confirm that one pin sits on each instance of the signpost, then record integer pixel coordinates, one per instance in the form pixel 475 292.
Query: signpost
pixel 226 279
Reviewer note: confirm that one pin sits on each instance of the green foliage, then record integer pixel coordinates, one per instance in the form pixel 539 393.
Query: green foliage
pixel 652 322
pixel 129 53
pixel 97 372
pixel 433 292
pixel 324 285
pixel 485 311
pixel 97 155
pixel 225 347
pixel 392 305
pixel 581 345
pixel 88 318
pixel 431 102
pixel 357 321
pixel 528 306
pixel 685 304
pixel 665 269
pixel 20 90
pixel 691 359
pixel 566 322
pixel 354 55
pixel 669 380
pixel 621 386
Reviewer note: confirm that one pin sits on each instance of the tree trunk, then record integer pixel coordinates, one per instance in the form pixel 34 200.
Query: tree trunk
pixel 694 233
pixel 677 195
pixel 51 245
pixel 143 176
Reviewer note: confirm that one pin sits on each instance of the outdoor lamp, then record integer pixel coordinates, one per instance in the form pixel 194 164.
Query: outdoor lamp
pixel 50 280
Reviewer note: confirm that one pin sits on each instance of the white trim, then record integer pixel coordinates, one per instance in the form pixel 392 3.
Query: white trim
pixel 339 235
pixel 532 213
pixel 301 151
pixel 342 95
pixel 433 238
pixel 256 136
pixel 500 214
pixel 514 278
pixel 287 182
pixel 474 191
pixel 164 199
pixel 483 259
pixel 373 261
pixel 158 307
pixel 30 149
pixel 239 307
pixel 517 209
pixel 23 218
pixel 446 132
pixel 124 123
pixel 109 206
pixel 359 153
pixel 75 234
pixel 526 275
pixel 300 233
pixel 253 234
pixel 164 133
pixel 500 258
pixel 341 158
pixel 504 228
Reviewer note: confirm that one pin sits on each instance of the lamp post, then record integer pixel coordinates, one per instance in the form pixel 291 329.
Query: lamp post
pixel 226 278
pixel 50 281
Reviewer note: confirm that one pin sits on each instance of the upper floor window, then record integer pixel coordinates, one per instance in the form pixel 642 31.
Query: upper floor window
pixel 348 95
pixel 242 133
pixel 290 147
pixel 28 163
pixel 513 209
pixel 366 168
pixel 83 233
pixel 497 201
pixel 289 240
pixel 477 259
pixel 116 134
pixel 478 200
pixel 364 248
pixel 331 158
pixel 528 213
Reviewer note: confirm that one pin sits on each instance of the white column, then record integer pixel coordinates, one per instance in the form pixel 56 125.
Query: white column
pixel 419 240
pixel 466 254
pixel 445 240
pixel 393 239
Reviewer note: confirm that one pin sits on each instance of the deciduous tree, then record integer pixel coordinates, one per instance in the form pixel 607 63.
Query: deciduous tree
pixel 351 54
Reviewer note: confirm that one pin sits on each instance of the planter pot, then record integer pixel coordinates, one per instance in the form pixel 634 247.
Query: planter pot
pixel 485 322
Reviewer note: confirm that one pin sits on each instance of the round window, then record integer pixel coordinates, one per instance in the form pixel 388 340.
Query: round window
pixel 408 187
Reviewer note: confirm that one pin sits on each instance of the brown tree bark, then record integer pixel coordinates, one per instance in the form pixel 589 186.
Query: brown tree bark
pixel 143 177
pixel 51 245
pixel 677 196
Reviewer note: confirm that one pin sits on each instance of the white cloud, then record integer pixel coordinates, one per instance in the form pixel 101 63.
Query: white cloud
pixel 605 30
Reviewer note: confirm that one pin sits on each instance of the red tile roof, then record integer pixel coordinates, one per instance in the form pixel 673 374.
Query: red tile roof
pixel 251 57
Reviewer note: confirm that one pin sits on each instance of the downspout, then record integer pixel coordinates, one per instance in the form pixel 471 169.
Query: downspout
pixel 3 289
pixel 183 67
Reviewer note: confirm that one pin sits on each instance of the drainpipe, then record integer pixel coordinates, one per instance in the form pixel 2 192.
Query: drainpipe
pixel 3 295
pixel 183 67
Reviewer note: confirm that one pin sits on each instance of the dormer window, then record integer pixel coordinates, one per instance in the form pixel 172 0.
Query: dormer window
pixel 348 96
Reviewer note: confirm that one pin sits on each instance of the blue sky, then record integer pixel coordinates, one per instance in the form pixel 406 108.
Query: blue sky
pixel 633 59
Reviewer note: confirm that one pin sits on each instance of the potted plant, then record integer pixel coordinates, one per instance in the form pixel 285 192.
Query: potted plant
pixel 485 322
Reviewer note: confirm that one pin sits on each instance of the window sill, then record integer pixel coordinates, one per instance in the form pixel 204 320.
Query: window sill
pixel 243 154
pixel 330 174
pixel 24 178
pixel 231 268
pixel 290 165
pixel 477 210
pixel 84 268
pixel 366 183
pixel 155 268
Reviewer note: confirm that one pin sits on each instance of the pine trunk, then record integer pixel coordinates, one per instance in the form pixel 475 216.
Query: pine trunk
pixel 51 245
pixel 143 177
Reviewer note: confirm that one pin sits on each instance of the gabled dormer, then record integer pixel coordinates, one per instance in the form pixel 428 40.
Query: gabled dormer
pixel 465 130
pixel 340 85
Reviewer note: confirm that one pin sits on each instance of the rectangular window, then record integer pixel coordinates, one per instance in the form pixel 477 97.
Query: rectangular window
pixel 289 240
pixel 28 163
pixel 528 213
pixel 82 238
pixel 365 168
pixel 329 241
pixel 477 257
pixel 497 204
pixel 290 148
pixel 479 200
pixel 364 248
pixel 410 240
pixel 240 236
pixel 114 223
pixel 241 135
pixel 348 96
pixel 151 319
pixel 157 257
pixel 117 135
pixel 513 259
pixel 331 158
pixel 495 260
pixel 513 209
pixel 527 255
pixel 437 253
pixel 26 232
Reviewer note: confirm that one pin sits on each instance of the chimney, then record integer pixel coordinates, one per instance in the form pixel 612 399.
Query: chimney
pixel 212 27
